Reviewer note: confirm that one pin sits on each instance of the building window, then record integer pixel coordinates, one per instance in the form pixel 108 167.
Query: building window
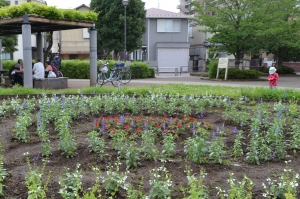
pixel 73 56
pixel 16 2
pixel 190 31
pixel 86 34
pixel 168 25
pixel 6 56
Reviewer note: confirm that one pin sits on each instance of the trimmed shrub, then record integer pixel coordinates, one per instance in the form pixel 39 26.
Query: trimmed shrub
pixel 8 64
pixel 77 69
pixel 212 69
pixel 280 70
pixel 239 74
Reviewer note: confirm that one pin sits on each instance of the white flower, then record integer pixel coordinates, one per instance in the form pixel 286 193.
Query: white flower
pixel 27 153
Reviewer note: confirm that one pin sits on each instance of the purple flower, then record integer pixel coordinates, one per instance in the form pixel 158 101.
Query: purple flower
pixel 122 119
pixel 194 129
pixel 201 114
pixel 146 126
pixel 277 130
pixel 164 126
pixel 213 136
pixel 279 113
pixel 218 130
pixel 132 124
pixel 171 120
pixel 25 105
pixel 258 115
pixel 235 130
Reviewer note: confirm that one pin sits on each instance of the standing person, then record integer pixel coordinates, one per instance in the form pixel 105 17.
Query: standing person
pixel 273 77
pixel 50 70
pixel 38 69
pixel 57 62
pixel 16 79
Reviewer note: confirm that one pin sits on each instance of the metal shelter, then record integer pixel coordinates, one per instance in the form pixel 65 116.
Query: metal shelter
pixel 32 24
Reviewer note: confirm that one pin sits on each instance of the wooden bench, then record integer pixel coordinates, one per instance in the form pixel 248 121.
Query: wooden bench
pixel 51 83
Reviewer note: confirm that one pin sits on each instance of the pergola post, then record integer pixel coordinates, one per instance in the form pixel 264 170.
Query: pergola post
pixel 93 56
pixel 27 53
pixel 39 46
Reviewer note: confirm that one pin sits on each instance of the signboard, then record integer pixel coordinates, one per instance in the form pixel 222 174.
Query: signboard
pixel 223 63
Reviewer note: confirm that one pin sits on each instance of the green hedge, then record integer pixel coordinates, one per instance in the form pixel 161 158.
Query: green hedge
pixel 77 69
pixel 232 72
pixel 280 70
pixel 240 74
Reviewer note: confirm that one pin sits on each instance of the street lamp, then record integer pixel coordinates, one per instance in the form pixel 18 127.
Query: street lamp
pixel 125 3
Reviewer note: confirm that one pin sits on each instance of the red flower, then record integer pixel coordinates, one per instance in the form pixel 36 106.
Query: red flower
pixel 97 124
pixel 127 127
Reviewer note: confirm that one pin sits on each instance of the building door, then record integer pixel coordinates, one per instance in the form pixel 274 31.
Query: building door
pixel 172 58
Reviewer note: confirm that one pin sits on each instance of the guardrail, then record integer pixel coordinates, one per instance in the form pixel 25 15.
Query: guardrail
pixel 188 69
pixel 163 70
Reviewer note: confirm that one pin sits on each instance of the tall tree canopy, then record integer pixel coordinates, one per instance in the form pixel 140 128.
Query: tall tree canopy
pixel 242 26
pixel 110 24
pixel 9 43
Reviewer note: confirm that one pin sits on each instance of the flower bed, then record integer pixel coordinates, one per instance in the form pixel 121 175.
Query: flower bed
pixel 152 146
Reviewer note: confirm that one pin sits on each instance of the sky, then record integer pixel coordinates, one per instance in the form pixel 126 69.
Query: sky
pixel 169 5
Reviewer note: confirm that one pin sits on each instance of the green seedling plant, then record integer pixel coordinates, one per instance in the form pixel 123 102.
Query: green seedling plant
pixel 169 146
pixel 196 149
pixel 284 187
pixel 149 149
pixel 71 184
pixel 196 188
pixel 114 179
pixel 216 150
pixel 3 175
pixel 133 193
pixel 34 181
pixel 160 182
pixel 44 135
pixel 23 122
pixel 132 155
pixel 96 144
pixel 237 149
pixel 237 189
pixel 295 136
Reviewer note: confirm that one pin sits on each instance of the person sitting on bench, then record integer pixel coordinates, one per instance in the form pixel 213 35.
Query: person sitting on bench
pixel 14 78
pixel 50 70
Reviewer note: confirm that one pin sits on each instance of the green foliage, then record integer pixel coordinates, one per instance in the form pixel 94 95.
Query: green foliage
pixel 49 12
pixel 76 69
pixel 10 42
pixel 239 74
pixel 232 72
pixel 241 27
pixel 280 70
pixel 110 24
pixel 212 69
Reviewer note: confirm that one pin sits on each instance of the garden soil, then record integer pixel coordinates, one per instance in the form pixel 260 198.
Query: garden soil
pixel 217 174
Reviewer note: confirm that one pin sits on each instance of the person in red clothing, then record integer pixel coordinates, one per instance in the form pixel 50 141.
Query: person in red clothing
pixel 273 77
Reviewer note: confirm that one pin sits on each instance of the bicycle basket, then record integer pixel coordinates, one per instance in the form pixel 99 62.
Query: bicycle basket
pixel 104 69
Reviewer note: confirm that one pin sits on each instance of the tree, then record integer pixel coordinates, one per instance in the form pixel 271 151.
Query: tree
pixel 241 25
pixel 285 44
pixel 110 24
pixel 9 43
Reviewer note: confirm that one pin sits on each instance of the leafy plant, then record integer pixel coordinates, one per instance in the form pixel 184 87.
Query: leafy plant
pixel 196 149
pixel 97 144
pixel 34 181
pixel 160 182
pixel 237 189
pixel 71 184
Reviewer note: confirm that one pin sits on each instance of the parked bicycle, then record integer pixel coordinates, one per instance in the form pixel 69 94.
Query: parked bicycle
pixel 120 74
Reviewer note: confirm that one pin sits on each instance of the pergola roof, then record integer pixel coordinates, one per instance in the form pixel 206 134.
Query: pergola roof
pixel 13 26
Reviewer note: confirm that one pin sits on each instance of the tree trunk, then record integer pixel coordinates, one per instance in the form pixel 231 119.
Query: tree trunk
pixel 280 56
pixel 238 57
pixel 50 43
pixel 116 55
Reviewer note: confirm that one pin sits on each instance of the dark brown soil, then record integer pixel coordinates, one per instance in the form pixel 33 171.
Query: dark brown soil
pixel 217 174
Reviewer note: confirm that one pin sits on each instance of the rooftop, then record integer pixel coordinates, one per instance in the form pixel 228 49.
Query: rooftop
pixel 158 13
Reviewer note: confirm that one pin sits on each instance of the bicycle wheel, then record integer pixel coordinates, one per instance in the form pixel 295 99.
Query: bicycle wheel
pixel 101 78
pixel 125 77
pixel 116 79
pixel 60 74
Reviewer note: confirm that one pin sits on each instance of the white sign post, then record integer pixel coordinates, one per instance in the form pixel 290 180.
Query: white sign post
pixel 223 63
